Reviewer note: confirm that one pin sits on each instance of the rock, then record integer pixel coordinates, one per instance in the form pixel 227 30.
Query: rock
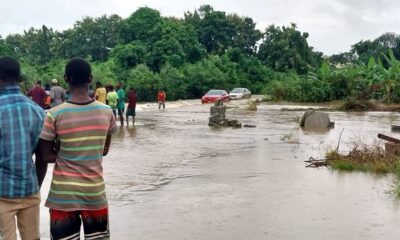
pixel 252 105
pixel 232 123
pixel 305 116
pixel 313 120
pixel 249 126
pixel 259 100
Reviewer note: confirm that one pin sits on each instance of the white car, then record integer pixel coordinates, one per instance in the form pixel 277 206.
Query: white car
pixel 239 93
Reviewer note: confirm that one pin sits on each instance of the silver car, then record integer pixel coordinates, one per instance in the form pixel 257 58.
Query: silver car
pixel 239 93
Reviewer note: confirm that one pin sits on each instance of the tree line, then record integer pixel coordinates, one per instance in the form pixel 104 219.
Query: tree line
pixel 206 49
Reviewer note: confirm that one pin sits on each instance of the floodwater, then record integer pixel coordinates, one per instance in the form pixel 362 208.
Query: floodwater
pixel 172 177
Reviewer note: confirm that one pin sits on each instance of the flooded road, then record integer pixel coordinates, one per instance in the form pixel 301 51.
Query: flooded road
pixel 172 177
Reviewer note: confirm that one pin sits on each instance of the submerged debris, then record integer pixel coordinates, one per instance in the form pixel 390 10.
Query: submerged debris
pixel 312 162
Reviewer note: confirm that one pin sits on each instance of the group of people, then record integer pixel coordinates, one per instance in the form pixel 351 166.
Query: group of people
pixel 109 95
pixel 51 97
pixel 115 98
pixel 74 135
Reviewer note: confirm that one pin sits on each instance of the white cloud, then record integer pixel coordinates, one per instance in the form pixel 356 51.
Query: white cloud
pixel 333 25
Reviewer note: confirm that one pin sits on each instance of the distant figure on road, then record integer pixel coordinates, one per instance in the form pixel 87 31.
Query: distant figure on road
pixel 161 96
pixel 101 93
pixel 131 111
pixel 38 94
pixel 121 103
pixel 57 94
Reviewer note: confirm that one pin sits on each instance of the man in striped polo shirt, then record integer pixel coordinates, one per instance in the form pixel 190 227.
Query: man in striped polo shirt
pixel 20 125
pixel 83 127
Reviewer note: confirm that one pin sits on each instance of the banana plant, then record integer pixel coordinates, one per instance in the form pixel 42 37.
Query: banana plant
pixel 392 75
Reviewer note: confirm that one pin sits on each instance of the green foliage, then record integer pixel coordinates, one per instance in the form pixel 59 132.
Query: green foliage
pixel 218 31
pixel 5 49
pixel 141 26
pixel 90 38
pixel 286 48
pixel 104 72
pixel 145 82
pixel 208 49
pixel 129 55
pixel 299 89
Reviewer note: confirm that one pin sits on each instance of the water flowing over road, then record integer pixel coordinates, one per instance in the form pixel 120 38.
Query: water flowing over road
pixel 173 177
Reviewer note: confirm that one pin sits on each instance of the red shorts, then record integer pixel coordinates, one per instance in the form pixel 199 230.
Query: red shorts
pixel 67 225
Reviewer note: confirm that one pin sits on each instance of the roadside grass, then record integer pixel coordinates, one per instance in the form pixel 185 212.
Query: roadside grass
pixel 370 159
pixel 363 158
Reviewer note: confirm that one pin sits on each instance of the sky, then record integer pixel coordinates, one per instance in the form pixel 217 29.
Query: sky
pixel 333 25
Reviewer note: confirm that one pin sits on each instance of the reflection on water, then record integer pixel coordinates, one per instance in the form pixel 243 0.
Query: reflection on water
pixel 173 177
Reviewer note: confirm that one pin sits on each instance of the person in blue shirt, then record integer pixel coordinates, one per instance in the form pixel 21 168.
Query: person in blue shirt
pixel 20 126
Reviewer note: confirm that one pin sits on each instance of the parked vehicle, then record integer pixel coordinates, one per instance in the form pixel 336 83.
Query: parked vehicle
pixel 239 93
pixel 213 96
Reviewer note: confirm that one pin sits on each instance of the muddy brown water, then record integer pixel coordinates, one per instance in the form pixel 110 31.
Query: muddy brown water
pixel 172 177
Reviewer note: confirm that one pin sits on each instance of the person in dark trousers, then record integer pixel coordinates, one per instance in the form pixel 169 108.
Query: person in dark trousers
pixel 121 103
pixel 84 127
pixel 161 96
pixel 38 94
pixel 131 111
pixel 20 126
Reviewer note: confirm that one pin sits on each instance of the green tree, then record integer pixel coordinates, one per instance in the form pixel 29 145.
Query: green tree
pixel 129 55
pixel 141 26
pixel 286 48
pixel 246 35
pixel 33 45
pixel 5 49
pixel 90 37
pixel 214 29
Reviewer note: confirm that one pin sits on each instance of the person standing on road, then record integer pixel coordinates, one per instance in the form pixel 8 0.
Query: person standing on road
pixel 20 126
pixel 57 94
pixel 112 99
pixel 101 93
pixel 131 111
pixel 121 103
pixel 38 94
pixel 161 96
pixel 84 127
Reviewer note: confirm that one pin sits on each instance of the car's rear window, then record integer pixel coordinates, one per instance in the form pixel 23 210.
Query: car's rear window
pixel 215 92
pixel 237 90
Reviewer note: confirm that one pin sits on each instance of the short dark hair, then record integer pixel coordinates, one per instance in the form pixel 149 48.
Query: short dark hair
pixel 111 87
pixel 10 71
pixel 78 72
pixel 39 82
pixel 98 84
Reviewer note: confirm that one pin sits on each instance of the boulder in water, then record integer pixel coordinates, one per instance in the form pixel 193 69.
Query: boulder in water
pixel 314 120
